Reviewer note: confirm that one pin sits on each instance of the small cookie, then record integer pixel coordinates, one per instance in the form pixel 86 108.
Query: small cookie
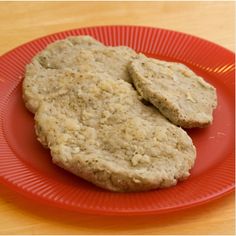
pixel 180 95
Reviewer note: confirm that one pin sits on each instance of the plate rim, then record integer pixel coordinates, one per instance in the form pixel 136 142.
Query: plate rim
pixel 126 26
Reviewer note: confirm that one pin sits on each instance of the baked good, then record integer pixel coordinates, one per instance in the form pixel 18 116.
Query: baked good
pixel 178 93
pixel 99 130
pixel 73 54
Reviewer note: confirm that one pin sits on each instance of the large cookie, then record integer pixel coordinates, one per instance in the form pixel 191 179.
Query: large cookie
pixel 180 95
pixel 99 130
pixel 74 54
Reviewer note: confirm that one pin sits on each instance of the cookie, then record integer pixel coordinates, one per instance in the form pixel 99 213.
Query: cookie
pixel 100 131
pixel 185 98
pixel 74 54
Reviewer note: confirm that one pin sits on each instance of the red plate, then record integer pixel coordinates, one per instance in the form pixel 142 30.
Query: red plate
pixel 26 167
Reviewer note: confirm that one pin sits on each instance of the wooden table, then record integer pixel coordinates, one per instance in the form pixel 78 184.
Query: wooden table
pixel 21 22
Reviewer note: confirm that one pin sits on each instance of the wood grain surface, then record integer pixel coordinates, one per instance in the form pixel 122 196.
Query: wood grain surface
pixel 21 22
